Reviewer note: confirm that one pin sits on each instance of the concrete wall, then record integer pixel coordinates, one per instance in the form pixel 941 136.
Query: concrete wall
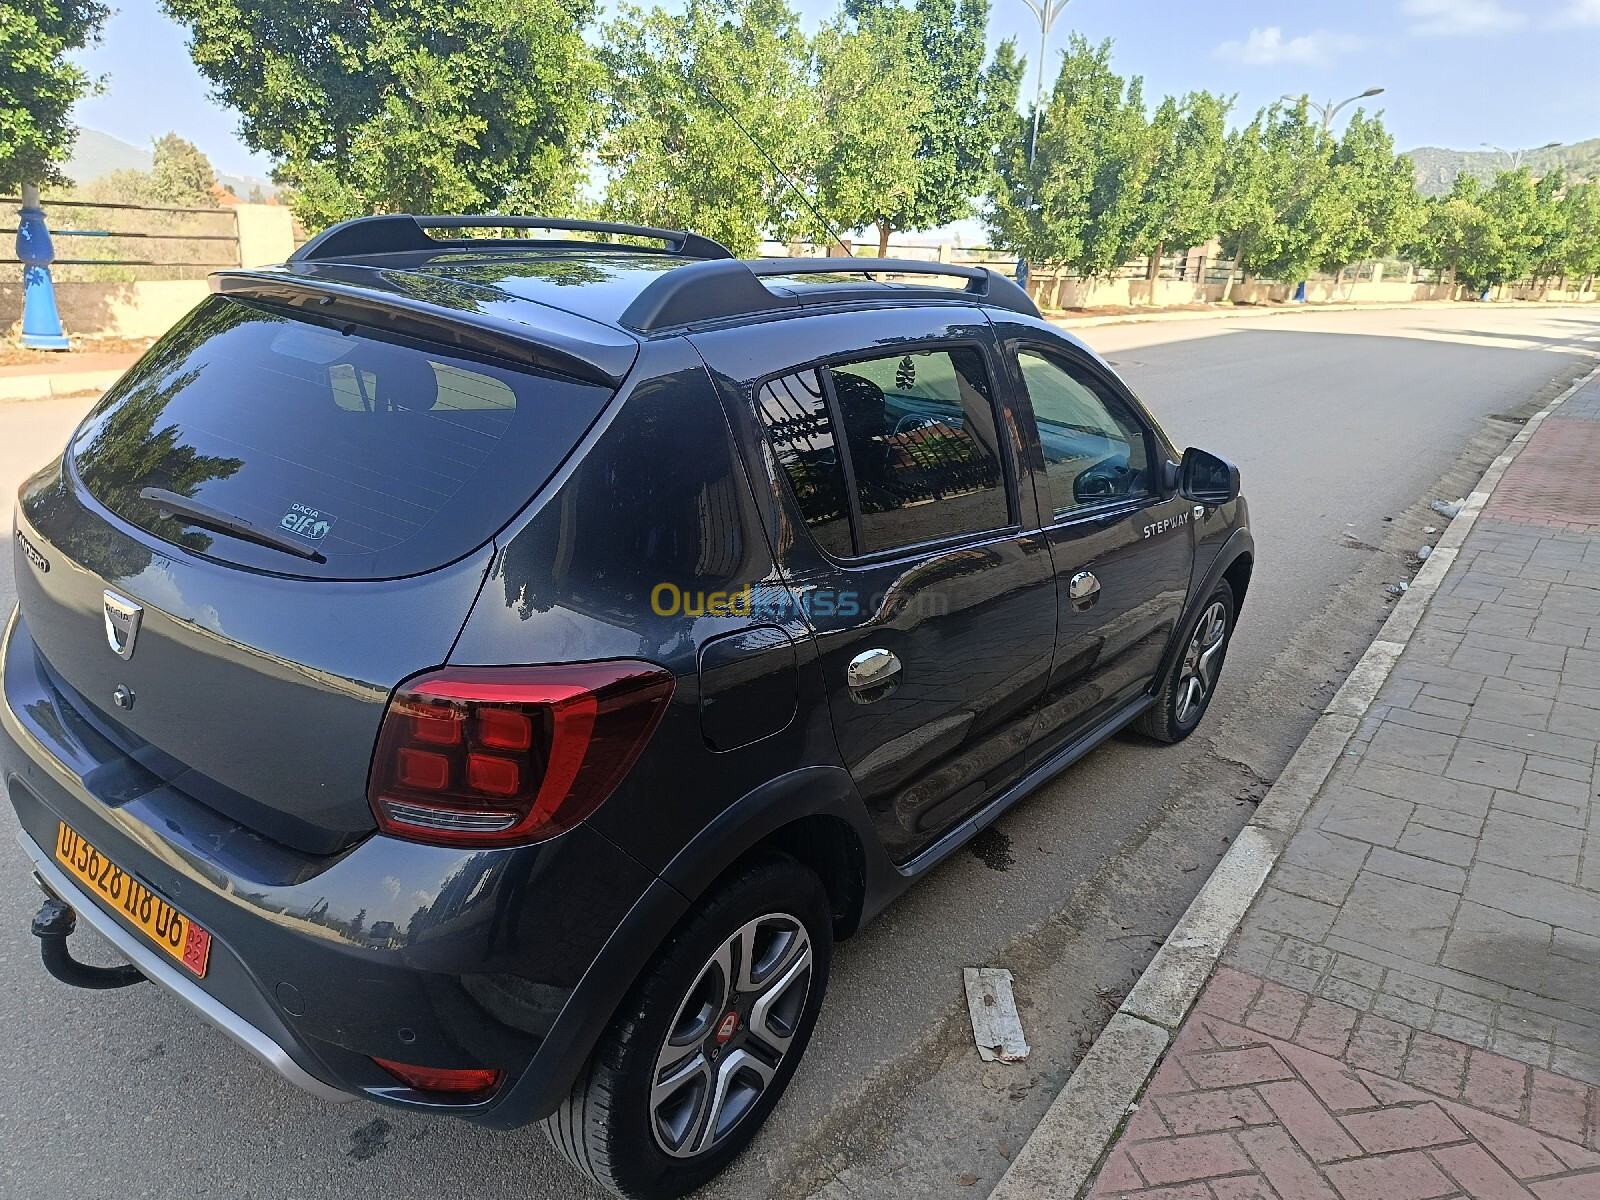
pixel 130 310
pixel 266 234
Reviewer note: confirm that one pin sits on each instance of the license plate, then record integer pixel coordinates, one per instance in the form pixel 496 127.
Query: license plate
pixel 149 913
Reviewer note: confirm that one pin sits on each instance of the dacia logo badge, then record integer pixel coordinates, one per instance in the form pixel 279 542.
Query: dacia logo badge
pixel 122 623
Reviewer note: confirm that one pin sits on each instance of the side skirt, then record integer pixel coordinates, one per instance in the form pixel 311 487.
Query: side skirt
pixel 1040 775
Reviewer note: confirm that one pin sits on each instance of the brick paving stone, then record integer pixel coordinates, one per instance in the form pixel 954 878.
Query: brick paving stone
pixel 1410 1009
pixel 1326 1127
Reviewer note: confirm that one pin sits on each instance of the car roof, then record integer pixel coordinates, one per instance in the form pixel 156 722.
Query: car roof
pixel 579 291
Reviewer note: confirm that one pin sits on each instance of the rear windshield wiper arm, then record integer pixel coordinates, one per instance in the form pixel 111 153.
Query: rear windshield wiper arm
pixel 173 505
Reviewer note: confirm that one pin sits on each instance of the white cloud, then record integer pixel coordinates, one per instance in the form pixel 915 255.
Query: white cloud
pixel 1268 47
pixel 1579 12
pixel 1463 18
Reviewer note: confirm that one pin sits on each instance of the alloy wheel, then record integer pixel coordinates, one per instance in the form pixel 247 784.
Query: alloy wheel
pixel 730 1035
pixel 1201 661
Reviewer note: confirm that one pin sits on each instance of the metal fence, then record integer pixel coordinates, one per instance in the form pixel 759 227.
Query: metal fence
pixel 110 242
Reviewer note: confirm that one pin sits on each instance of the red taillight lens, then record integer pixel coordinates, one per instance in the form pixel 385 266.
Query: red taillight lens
pixel 436 1079
pixel 501 756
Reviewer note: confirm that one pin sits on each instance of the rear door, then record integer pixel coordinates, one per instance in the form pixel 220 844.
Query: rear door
pixel 927 586
pixel 1121 542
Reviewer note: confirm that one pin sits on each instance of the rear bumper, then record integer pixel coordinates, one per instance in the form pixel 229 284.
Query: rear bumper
pixel 512 959
pixel 258 1042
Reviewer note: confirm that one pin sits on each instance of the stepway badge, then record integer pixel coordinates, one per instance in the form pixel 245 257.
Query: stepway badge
pixel 307 522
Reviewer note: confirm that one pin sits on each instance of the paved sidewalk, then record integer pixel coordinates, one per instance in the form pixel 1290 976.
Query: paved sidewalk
pixel 1411 1007
pixel 66 374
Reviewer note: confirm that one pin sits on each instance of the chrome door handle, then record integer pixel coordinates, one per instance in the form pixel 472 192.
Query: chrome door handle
pixel 871 669
pixel 1083 590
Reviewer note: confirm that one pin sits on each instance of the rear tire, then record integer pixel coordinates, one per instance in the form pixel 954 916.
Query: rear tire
pixel 1192 681
pixel 703 1046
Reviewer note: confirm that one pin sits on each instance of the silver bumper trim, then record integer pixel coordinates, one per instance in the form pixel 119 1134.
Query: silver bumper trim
pixel 159 972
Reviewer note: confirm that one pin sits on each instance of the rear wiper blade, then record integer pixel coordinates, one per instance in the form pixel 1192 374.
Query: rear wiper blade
pixel 173 505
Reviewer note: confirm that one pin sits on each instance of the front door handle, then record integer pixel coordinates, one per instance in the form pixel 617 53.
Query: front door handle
pixel 1083 590
pixel 871 670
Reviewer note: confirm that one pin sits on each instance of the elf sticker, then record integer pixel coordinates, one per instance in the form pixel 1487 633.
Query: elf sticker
pixel 310 523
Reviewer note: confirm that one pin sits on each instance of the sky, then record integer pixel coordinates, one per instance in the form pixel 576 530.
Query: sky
pixel 1456 73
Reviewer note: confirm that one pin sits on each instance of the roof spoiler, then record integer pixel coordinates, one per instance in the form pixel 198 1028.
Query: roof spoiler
pixel 709 291
pixel 395 233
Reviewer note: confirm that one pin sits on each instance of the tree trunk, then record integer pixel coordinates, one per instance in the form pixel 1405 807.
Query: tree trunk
pixel 1153 273
pixel 883 239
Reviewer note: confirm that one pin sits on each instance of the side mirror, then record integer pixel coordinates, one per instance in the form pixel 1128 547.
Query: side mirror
pixel 1207 479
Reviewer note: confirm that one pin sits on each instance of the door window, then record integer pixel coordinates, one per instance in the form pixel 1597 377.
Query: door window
pixel 923 446
pixel 795 412
pixel 1095 450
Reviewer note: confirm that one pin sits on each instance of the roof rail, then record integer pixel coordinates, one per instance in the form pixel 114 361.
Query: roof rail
pixel 707 291
pixel 391 233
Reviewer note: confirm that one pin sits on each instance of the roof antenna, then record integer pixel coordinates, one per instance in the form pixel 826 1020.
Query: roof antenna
pixel 761 150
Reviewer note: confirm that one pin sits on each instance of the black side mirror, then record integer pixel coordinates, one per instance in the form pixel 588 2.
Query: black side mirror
pixel 1207 479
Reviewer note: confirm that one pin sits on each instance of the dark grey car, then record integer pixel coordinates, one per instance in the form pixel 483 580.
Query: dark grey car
pixel 486 675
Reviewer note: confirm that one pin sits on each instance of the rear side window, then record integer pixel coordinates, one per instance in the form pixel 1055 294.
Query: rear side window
pixel 923 446
pixel 795 412
pixel 386 456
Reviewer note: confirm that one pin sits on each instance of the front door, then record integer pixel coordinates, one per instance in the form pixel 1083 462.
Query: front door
pixel 928 588
pixel 1121 540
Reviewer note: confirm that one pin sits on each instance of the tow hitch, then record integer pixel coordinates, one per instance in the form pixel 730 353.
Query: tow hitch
pixel 53 925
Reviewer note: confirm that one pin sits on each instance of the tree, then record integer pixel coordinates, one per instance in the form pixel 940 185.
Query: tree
pixel 38 86
pixel 1581 216
pixel 1457 236
pixel 1512 208
pixel 181 174
pixel 684 88
pixel 1281 197
pixel 1381 209
pixel 1180 203
pixel 420 105
pixel 871 102
pixel 1079 202
pixel 971 108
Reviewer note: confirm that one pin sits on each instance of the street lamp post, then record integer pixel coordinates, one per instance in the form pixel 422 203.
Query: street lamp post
pixel 1514 157
pixel 1330 110
pixel 1046 11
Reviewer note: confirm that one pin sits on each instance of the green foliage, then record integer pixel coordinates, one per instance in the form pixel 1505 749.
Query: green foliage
pixel 1180 206
pixel 680 86
pixel 1380 207
pixel 1580 211
pixel 181 174
pixel 1282 200
pixel 419 105
pixel 38 86
pixel 871 102
pixel 1080 202
pixel 972 109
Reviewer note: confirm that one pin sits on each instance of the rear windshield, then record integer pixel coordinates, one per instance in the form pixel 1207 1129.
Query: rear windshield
pixel 384 456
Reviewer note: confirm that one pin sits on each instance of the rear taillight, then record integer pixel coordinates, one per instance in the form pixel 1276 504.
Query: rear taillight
pixel 500 756
pixel 461 1083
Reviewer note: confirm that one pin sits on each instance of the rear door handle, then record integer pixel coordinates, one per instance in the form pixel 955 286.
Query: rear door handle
pixel 871 669
pixel 1083 590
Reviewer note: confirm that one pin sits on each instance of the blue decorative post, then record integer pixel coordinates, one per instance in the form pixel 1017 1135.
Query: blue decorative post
pixel 41 325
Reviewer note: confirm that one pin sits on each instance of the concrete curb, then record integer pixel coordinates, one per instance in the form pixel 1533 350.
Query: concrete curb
pixel 1223 312
pixel 62 383
pixel 1063 1153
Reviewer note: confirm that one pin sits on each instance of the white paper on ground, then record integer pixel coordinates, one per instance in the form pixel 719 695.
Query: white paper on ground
pixel 995 1025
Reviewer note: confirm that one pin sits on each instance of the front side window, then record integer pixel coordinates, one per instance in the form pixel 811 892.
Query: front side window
pixel 1095 450
pixel 924 449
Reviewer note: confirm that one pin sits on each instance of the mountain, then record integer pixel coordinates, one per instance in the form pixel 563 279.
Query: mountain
pixel 95 154
pixel 1437 168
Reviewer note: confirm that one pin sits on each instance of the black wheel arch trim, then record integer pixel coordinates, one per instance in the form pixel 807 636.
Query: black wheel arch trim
pixel 751 821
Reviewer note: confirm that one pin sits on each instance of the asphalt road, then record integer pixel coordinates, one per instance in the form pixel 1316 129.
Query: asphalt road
pixel 1344 425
